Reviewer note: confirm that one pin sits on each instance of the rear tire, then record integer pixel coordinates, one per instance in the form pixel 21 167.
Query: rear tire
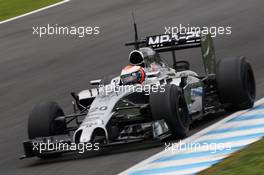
pixel 41 122
pixel 235 83
pixel 170 105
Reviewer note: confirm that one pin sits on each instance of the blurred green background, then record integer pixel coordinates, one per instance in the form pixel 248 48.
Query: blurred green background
pixel 12 8
pixel 248 161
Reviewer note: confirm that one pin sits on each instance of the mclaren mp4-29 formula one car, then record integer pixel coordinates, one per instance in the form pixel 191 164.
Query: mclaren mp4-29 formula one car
pixel 169 99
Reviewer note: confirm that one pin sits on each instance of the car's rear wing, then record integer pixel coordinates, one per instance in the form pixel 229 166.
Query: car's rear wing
pixel 167 42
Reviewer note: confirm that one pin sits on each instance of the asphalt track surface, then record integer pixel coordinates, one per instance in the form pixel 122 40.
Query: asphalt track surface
pixel 36 69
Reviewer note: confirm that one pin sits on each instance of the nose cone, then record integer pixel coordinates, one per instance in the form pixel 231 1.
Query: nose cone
pixel 87 130
pixel 83 134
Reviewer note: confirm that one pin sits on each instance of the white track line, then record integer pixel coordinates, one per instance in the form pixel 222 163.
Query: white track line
pixel 35 11
pixel 254 112
pixel 185 172
pixel 189 140
pixel 237 124
pixel 184 161
pixel 230 134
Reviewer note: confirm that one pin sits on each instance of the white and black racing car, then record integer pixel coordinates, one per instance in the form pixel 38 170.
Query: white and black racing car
pixel 163 107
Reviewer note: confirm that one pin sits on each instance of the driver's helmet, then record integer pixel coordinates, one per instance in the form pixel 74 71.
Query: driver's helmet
pixel 132 75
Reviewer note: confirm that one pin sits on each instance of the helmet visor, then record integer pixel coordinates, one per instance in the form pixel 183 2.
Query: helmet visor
pixel 129 78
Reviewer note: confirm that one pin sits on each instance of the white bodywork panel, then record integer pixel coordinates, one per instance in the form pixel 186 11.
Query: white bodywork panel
pixel 101 109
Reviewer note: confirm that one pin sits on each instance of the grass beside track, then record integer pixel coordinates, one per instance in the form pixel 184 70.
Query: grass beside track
pixel 12 8
pixel 247 161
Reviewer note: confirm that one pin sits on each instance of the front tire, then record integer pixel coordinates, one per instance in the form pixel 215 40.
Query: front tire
pixel 41 122
pixel 170 105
